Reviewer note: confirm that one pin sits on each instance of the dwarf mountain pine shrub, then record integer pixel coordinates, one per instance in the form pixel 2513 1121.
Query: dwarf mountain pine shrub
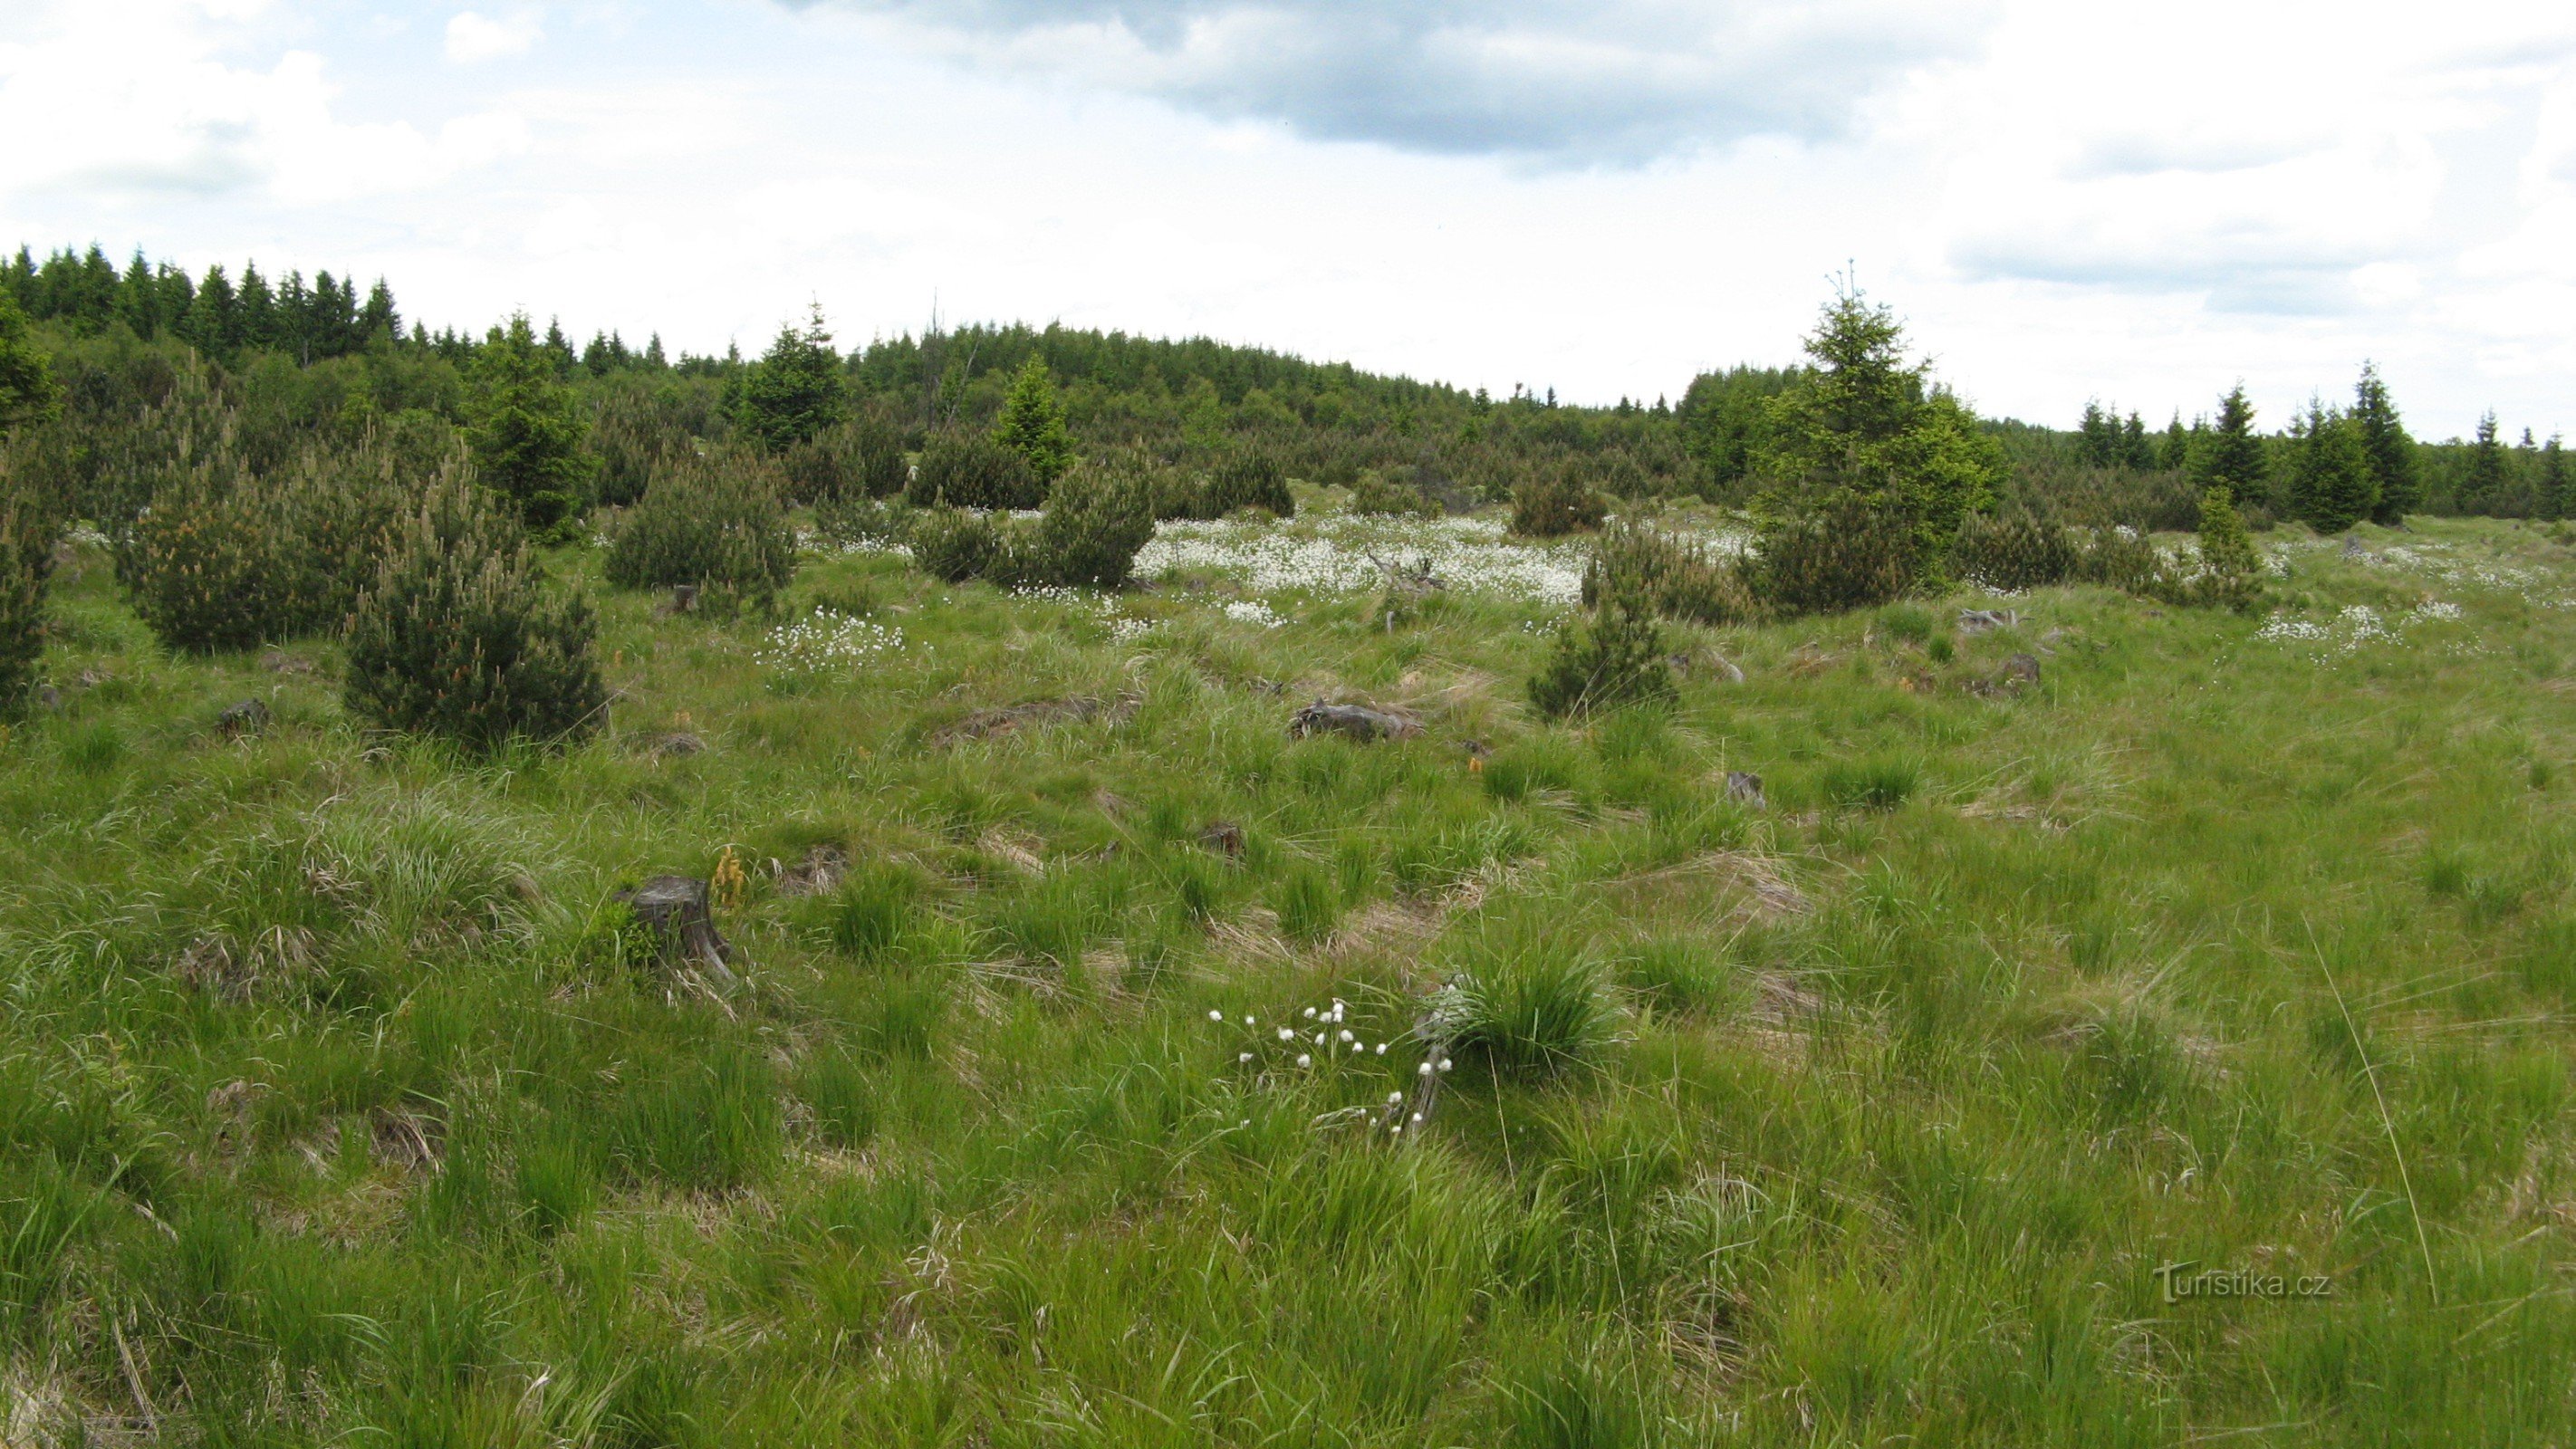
pixel 636 434
pixel 971 470
pixel 28 530
pixel 1376 494
pixel 1248 475
pixel 1096 521
pixel 860 458
pixel 459 635
pixel 224 557
pixel 714 522
pixel 1555 503
pixel 1841 555
pixel 2013 551
pixel 1678 578
pixel 1614 657
pixel 954 545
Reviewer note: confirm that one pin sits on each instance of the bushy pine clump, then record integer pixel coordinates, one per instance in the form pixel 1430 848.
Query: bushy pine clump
pixel 459 635
pixel 1378 495
pixel 2013 551
pixel 1096 521
pixel 636 433
pixel 1555 503
pixel 1678 578
pixel 224 557
pixel 716 523
pixel 1616 656
pixel 2123 559
pixel 28 532
pixel 1248 475
pixel 970 470
pixel 953 545
pixel 861 458
pixel 1843 554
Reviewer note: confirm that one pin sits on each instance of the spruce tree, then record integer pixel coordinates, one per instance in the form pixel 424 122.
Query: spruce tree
pixel 2331 487
pixel 527 429
pixel 2174 454
pixel 2231 574
pixel 2482 487
pixel 2231 457
pixel 28 393
pixel 2097 436
pixel 1864 425
pixel 796 390
pixel 1032 423
pixel 2556 500
pixel 2391 452
pixel 2135 451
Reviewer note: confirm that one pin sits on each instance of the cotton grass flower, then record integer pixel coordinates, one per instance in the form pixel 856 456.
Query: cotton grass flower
pixel 828 642
pixel 1305 1060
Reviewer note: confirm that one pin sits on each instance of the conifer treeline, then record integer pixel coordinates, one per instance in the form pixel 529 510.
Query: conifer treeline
pixel 1123 387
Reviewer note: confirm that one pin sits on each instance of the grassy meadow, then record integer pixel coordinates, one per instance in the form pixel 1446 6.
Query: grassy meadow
pixel 339 1106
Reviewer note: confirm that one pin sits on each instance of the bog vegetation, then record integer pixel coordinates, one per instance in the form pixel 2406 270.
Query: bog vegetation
pixel 1239 901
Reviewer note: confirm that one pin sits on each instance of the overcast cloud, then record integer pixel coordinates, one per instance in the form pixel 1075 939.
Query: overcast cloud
pixel 2143 203
pixel 1616 82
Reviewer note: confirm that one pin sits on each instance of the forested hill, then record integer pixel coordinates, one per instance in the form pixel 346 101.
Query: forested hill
pixel 327 346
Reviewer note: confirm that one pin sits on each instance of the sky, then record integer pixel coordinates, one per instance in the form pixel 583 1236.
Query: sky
pixel 2137 203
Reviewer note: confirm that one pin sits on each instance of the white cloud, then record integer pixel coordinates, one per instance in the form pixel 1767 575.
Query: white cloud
pixel 472 38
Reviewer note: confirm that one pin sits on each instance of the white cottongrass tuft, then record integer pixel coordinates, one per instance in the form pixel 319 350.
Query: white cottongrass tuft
pixel 828 642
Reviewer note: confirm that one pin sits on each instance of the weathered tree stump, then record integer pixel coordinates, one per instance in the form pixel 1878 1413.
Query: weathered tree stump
pixel 1356 721
pixel 1744 788
pixel 674 908
pixel 248 717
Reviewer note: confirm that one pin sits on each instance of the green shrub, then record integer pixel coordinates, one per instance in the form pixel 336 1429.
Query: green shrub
pixel 527 433
pixel 225 558
pixel 458 636
pixel 637 434
pixel 1032 423
pixel 2230 574
pixel 1378 494
pixel 1096 521
pixel 2121 558
pixel 1249 476
pixel 714 522
pixel 954 545
pixel 1615 657
pixel 1681 579
pixel 1557 502
pixel 861 458
pixel 970 470
pixel 855 518
pixel 2013 551
pixel 28 532
pixel 1843 555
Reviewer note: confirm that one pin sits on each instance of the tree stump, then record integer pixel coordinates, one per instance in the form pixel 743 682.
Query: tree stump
pixel 1744 788
pixel 674 908
pixel 246 718
pixel 1356 721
